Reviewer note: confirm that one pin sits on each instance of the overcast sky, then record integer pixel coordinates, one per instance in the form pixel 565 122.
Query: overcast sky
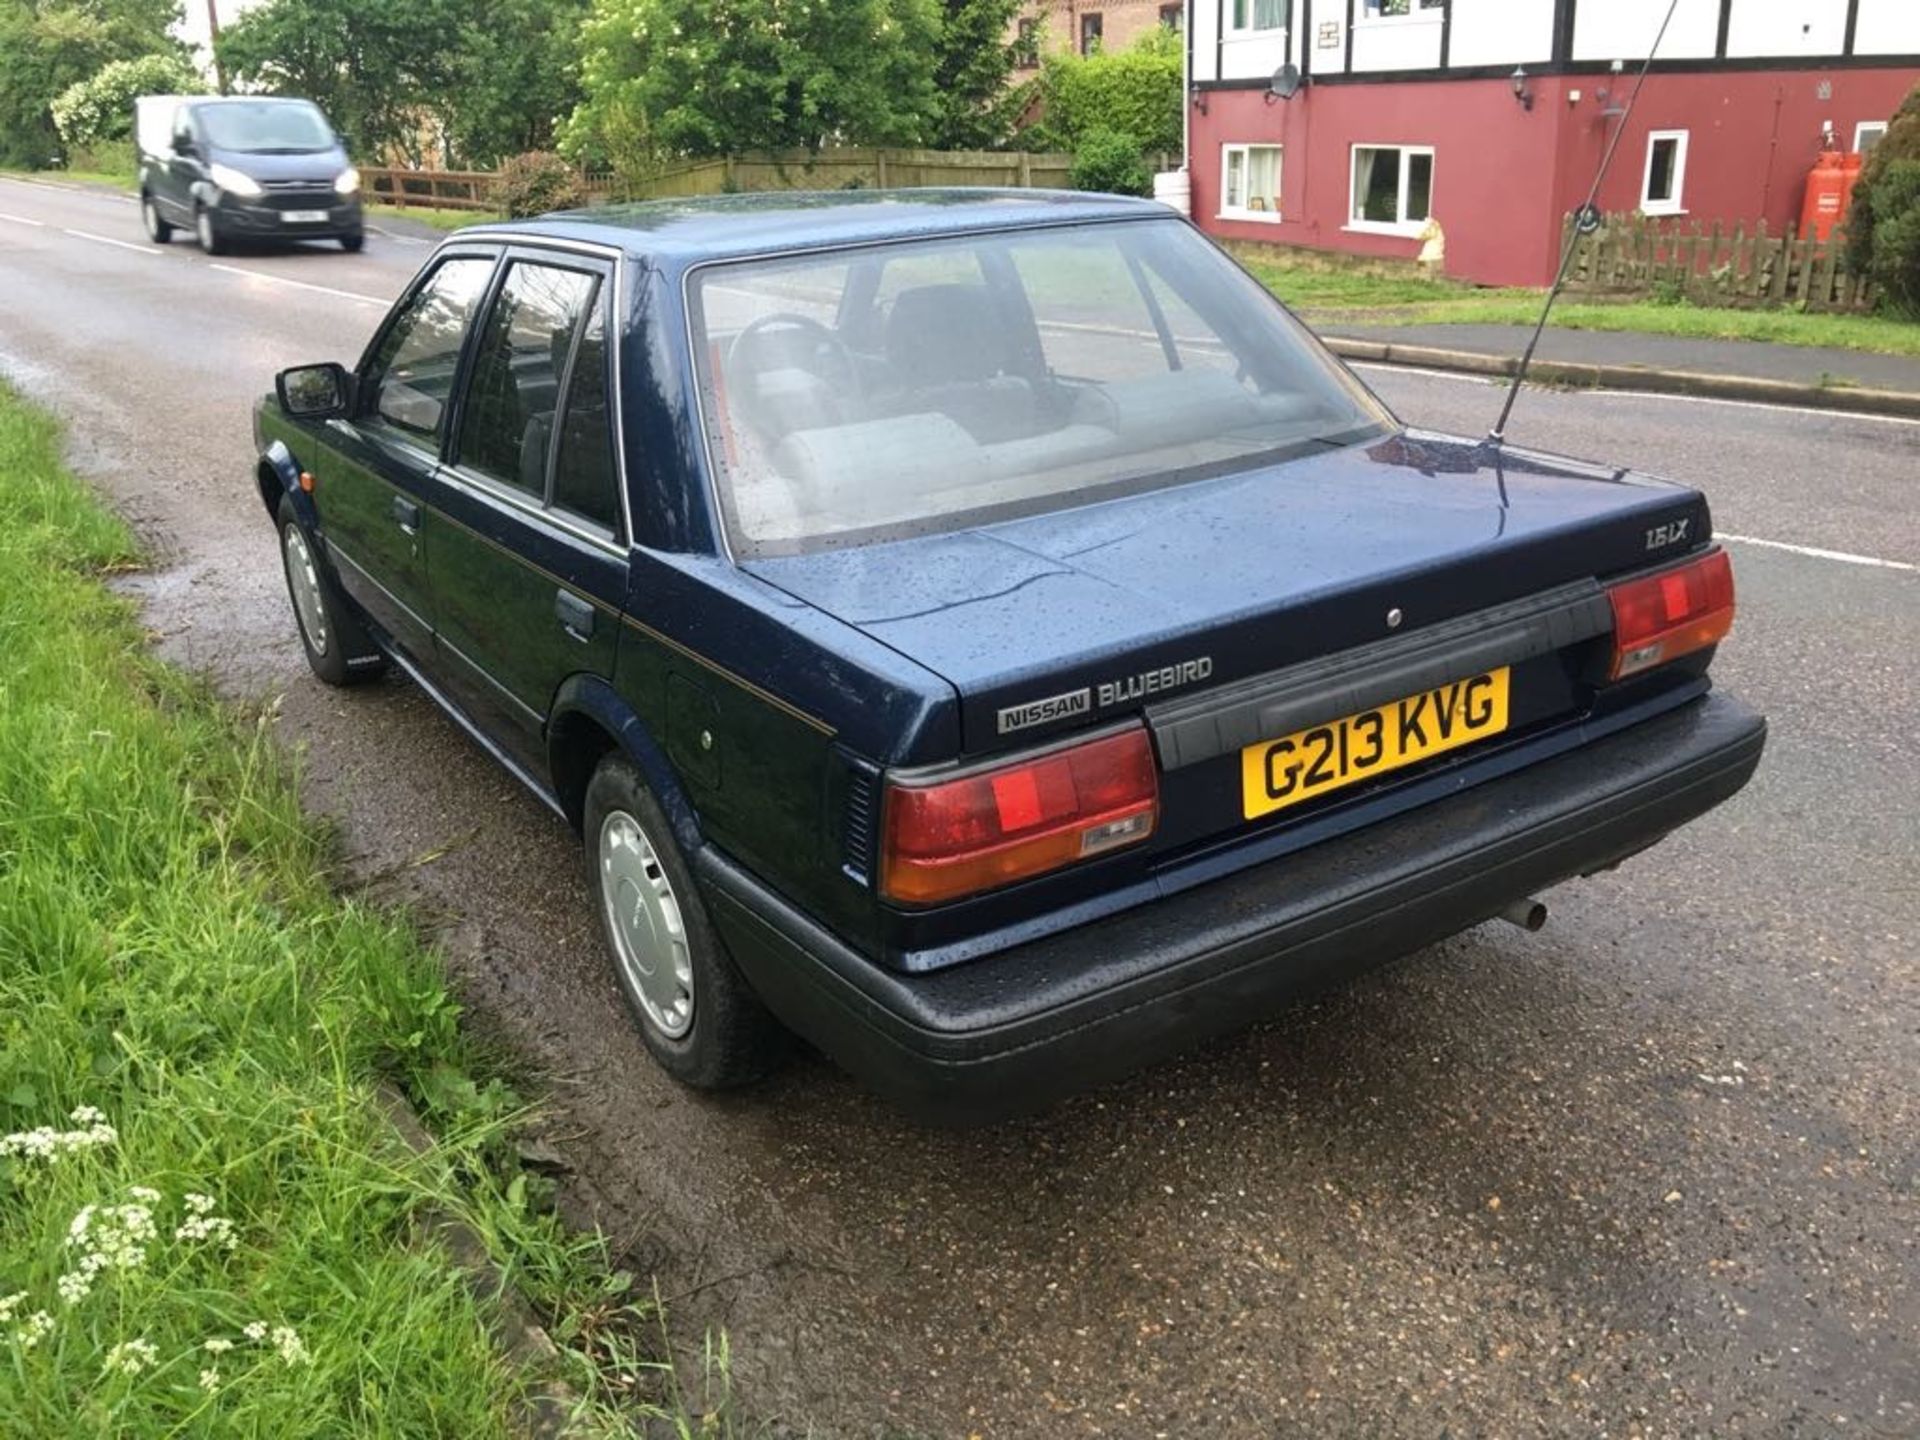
pixel 193 28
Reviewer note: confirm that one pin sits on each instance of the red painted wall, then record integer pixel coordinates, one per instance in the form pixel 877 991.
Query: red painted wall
pixel 1504 176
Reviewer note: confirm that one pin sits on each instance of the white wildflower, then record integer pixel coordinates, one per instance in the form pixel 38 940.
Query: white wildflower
pixel 210 1379
pixel 217 1345
pixel 108 1237
pixel 9 1304
pixel 256 1331
pixel 75 1285
pixel 37 1327
pixel 202 1226
pixel 200 1204
pixel 130 1357
pixel 43 1142
pixel 145 1194
pixel 292 1349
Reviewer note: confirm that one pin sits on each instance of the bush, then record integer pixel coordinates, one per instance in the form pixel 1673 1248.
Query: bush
pixel 1110 161
pixel 536 182
pixel 1883 225
pixel 99 109
pixel 1137 92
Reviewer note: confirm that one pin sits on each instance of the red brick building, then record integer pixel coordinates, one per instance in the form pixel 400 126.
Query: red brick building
pixel 1490 116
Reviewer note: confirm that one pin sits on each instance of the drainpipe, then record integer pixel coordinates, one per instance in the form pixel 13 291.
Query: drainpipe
pixel 1773 148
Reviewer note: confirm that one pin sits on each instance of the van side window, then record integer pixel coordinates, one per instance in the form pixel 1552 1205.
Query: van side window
pixel 506 426
pixel 411 376
pixel 585 481
pixel 182 126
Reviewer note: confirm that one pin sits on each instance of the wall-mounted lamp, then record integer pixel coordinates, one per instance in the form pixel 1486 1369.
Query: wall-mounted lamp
pixel 1199 98
pixel 1520 90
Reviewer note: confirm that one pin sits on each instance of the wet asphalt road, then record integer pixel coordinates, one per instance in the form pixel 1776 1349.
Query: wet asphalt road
pixel 1655 1171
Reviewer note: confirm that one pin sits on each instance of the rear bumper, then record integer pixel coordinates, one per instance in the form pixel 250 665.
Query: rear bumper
pixel 1021 1028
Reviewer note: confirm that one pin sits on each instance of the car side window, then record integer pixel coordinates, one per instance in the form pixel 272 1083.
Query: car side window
pixel 507 422
pixel 411 374
pixel 585 481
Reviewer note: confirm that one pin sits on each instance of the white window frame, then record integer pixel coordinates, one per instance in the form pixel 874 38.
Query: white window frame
pixel 1429 11
pixel 1246 212
pixel 1237 32
pixel 1407 229
pixel 1678 204
pixel 1860 133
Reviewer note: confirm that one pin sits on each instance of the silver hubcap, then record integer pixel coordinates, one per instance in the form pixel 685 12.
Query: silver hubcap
pixel 304 581
pixel 152 217
pixel 649 932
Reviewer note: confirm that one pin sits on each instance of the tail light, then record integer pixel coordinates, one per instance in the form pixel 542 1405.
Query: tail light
pixel 950 838
pixel 1657 618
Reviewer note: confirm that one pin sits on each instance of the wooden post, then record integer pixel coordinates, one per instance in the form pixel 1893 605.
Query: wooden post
pixel 1026 170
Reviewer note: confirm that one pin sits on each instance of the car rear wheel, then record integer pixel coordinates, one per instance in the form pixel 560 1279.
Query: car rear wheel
pixel 158 230
pixel 698 1017
pixel 338 648
pixel 207 232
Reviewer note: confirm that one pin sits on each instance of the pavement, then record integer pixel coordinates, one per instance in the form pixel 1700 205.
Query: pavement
pixel 1810 375
pixel 1654 1171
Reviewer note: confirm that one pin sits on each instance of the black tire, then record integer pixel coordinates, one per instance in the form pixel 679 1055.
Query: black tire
pixel 353 244
pixel 341 653
pixel 158 230
pixel 206 230
pixel 732 1039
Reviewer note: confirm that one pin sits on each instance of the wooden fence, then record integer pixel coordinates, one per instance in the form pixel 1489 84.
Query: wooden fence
pixel 1715 265
pixel 836 169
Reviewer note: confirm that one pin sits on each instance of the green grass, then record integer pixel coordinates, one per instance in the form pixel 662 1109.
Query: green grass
pixel 438 219
pixel 1330 289
pixel 173 952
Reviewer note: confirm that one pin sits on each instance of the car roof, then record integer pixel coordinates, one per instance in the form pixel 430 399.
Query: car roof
pixel 727 226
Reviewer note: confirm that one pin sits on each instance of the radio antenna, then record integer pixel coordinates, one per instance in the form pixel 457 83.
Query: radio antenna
pixel 1498 435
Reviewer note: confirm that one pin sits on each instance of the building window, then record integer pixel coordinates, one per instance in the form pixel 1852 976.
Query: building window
pixel 1174 17
pixel 1400 9
pixel 1250 182
pixel 1662 191
pixel 1090 28
pixel 1392 188
pixel 1246 17
pixel 1026 44
pixel 1867 134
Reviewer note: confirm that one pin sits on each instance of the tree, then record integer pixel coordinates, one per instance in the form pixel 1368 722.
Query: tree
pixel 99 109
pixel 1883 223
pixel 379 69
pixel 516 77
pixel 1139 91
pixel 724 77
pixel 971 68
pixel 48 45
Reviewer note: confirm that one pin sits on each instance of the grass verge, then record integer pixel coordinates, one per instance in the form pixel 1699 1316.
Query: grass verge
pixel 207 1224
pixel 1329 289
pixel 438 219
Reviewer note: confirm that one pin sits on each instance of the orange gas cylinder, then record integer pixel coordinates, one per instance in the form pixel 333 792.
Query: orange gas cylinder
pixel 1829 188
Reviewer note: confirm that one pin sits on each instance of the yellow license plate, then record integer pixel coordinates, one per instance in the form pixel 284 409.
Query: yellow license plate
pixel 1300 767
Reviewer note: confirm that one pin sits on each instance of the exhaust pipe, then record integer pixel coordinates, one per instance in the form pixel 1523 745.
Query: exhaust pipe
pixel 1529 915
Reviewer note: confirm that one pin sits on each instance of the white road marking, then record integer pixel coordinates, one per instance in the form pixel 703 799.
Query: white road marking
pixel 398 239
pixel 1813 552
pixel 1501 382
pixel 70 189
pixel 109 240
pixel 301 284
pixel 23 220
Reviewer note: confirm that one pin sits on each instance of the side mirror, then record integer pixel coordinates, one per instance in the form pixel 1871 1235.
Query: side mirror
pixel 183 144
pixel 315 392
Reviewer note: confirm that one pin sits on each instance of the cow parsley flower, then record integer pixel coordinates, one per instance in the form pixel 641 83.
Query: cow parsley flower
pixel 256 1331
pixel 130 1357
pixel 145 1194
pixel 203 1224
pixel 218 1345
pixel 36 1328
pixel 292 1349
pixel 210 1379
pixel 9 1304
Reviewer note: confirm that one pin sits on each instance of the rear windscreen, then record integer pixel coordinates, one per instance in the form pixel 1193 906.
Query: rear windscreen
pixel 861 395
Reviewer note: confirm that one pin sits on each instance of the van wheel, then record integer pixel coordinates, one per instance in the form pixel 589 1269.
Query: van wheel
pixel 698 1017
pixel 354 243
pixel 158 230
pixel 338 648
pixel 208 233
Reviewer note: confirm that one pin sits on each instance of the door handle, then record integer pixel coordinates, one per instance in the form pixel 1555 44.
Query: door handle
pixel 574 614
pixel 406 514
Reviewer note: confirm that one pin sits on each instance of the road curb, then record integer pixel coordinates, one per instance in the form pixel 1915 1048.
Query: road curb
pixel 1897 403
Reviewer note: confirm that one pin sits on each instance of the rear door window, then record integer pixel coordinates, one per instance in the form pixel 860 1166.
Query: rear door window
pixel 411 375
pixel 507 424
pixel 585 483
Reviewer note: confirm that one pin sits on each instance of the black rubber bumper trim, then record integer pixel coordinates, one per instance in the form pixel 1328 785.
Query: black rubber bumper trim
pixel 1021 1028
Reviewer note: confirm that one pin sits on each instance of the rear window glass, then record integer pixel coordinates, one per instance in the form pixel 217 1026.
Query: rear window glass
pixel 856 397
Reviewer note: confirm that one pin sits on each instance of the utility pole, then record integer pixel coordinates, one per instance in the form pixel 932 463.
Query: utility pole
pixel 213 46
